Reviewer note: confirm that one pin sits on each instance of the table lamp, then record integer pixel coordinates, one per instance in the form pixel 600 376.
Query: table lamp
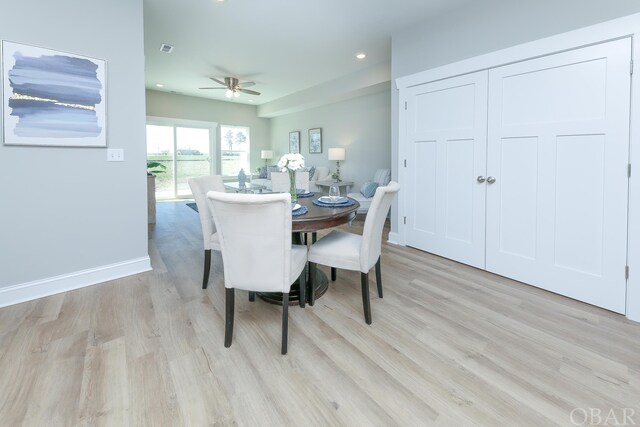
pixel 266 155
pixel 337 154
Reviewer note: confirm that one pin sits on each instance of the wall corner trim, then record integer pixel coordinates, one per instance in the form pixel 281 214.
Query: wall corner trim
pixel 53 285
pixel 394 239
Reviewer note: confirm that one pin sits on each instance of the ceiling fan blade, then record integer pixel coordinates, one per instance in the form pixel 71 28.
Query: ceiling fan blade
pixel 212 88
pixel 249 91
pixel 218 81
pixel 246 84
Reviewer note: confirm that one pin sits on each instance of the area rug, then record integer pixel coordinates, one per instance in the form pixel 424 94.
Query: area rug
pixel 193 206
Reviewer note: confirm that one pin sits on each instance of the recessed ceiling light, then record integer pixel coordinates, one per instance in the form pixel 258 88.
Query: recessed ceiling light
pixel 251 100
pixel 166 48
pixel 361 55
pixel 159 85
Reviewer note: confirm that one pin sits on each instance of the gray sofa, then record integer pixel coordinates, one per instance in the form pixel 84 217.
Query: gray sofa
pixel 382 178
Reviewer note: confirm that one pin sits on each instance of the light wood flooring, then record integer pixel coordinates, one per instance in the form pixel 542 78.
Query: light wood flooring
pixel 449 346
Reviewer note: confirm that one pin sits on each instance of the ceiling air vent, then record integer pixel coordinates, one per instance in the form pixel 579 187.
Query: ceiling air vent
pixel 166 48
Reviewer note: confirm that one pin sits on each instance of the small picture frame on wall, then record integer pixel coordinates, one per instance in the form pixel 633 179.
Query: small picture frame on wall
pixel 294 142
pixel 315 140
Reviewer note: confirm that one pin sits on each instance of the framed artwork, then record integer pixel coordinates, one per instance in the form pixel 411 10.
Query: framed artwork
pixel 294 142
pixel 315 140
pixel 52 98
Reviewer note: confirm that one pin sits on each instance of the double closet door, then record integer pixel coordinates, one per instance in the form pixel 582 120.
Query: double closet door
pixel 522 170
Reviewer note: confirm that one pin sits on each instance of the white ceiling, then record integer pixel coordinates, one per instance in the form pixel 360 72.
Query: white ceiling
pixel 284 46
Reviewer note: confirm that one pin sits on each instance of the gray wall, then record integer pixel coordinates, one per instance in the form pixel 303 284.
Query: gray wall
pixel 64 210
pixel 164 104
pixel 485 27
pixel 361 125
pixel 490 25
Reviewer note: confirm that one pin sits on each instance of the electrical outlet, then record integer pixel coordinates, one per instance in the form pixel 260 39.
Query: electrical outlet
pixel 115 155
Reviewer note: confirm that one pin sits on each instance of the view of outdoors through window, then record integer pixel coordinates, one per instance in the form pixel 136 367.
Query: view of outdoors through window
pixel 185 151
pixel 234 150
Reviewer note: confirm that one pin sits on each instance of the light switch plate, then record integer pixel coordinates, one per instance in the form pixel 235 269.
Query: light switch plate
pixel 115 155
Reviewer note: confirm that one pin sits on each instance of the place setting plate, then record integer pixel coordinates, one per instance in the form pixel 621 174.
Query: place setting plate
pixel 297 209
pixel 339 200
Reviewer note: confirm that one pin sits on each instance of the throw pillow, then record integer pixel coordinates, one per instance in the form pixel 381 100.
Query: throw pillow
pixel 311 172
pixel 382 176
pixel 368 189
pixel 263 173
pixel 272 169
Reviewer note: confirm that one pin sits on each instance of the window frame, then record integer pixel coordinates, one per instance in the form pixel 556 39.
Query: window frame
pixel 212 127
pixel 247 170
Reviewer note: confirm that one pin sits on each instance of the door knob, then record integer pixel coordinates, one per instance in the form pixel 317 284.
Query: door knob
pixel 481 179
pixel 491 180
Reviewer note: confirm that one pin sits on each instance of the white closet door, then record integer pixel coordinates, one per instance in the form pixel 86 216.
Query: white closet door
pixel 446 133
pixel 558 147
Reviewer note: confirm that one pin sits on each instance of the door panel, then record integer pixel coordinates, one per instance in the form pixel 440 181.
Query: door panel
pixel 557 213
pixel 459 177
pixel 424 208
pixel 579 203
pixel 446 130
pixel 519 200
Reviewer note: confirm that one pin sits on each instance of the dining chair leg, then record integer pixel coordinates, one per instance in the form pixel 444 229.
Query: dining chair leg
pixel 302 280
pixel 228 323
pixel 312 283
pixel 252 296
pixel 285 322
pixel 379 278
pixel 364 281
pixel 314 237
pixel 207 268
pixel 333 274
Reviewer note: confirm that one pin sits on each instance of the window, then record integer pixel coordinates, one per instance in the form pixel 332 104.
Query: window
pixel 185 148
pixel 234 150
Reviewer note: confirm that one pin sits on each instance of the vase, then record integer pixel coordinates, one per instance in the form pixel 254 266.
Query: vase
pixel 292 186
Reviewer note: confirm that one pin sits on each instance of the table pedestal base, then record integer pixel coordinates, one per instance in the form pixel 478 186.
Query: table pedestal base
pixel 322 284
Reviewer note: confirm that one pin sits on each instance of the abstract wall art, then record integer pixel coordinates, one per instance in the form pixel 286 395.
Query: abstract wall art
pixel 52 98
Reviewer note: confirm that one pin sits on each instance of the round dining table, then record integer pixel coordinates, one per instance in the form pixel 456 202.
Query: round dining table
pixel 317 218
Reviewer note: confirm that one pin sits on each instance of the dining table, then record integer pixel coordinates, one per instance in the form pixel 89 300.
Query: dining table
pixel 315 219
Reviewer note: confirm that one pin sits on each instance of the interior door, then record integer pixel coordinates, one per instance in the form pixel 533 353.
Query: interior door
pixel 558 143
pixel 446 151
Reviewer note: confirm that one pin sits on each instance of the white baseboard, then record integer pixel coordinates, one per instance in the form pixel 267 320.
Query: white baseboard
pixel 54 285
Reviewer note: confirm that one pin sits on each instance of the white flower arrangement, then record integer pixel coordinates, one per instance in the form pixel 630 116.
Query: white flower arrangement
pixel 291 162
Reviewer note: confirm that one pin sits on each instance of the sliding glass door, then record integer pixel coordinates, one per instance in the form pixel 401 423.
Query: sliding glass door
pixel 185 148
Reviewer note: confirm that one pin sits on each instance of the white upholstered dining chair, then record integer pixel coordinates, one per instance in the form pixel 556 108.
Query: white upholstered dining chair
pixel 349 251
pixel 302 180
pixel 257 254
pixel 280 182
pixel 199 188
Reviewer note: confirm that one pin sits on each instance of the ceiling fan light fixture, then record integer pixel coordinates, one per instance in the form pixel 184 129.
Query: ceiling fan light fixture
pixel 236 94
pixel 228 93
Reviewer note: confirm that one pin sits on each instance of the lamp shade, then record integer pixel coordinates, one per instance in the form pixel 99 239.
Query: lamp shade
pixel 337 153
pixel 266 154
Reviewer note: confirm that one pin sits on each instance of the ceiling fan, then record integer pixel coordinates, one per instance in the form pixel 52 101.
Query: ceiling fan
pixel 233 87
